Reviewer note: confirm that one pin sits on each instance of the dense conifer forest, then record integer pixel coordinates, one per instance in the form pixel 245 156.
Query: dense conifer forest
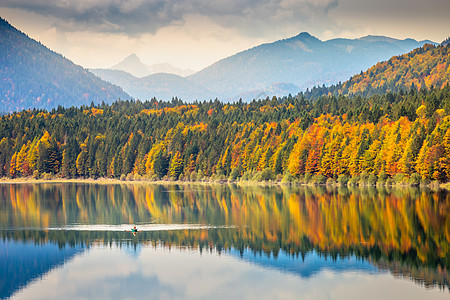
pixel 402 136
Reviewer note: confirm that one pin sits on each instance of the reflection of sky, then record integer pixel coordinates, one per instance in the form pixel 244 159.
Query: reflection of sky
pixel 111 272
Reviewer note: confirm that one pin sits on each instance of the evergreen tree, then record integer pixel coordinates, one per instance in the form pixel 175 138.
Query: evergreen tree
pixel 161 165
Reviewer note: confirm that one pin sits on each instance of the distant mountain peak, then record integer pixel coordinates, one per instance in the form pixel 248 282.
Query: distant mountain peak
pixel 132 57
pixel 133 65
pixel 304 36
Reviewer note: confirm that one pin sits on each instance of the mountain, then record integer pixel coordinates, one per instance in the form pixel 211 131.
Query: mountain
pixel 32 76
pixel 160 85
pixel 302 61
pixel 133 65
pixel 276 69
pixel 424 67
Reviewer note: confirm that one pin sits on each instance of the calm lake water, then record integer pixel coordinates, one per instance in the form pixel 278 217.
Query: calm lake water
pixel 72 241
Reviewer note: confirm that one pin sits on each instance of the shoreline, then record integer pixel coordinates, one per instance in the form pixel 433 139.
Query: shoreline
pixel 103 180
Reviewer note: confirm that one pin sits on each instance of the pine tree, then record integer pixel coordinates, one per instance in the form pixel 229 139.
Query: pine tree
pixel 161 165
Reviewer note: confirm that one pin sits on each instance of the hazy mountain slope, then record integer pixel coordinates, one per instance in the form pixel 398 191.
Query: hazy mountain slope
pixel 162 86
pixel 32 76
pixel 133 65
pixel 303 61
pixel 121 78
pixel 168 68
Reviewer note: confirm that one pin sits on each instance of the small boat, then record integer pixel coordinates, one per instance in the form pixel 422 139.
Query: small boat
pixel 133 230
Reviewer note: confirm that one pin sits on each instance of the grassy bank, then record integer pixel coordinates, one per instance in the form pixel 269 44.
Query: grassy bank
pixel 208 181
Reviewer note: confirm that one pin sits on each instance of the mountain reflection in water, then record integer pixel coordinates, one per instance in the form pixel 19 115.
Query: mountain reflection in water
pixel 297 230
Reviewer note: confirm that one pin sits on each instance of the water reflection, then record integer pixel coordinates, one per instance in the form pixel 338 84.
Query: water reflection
pixel 403 231
pixel 155 272
pixel 24 262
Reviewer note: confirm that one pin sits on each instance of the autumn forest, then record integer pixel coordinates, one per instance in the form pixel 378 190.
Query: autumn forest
pixel 399 137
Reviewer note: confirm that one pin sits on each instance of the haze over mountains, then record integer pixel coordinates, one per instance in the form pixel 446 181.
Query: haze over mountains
pixel 303 61
pixel 36 77
pixel 163 86
pixel 33 76
pixel 133 65
pixel 279 68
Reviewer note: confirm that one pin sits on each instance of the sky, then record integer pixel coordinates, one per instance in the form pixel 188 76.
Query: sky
pixel 194 34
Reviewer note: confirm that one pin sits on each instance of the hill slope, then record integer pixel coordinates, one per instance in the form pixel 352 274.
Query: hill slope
pixel 423 67
pixel 32 76
pixel 427 66
pixel 302 61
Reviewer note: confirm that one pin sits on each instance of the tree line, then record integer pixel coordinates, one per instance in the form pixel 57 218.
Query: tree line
pixel 406 133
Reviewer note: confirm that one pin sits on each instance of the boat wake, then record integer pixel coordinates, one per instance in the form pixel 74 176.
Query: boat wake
pixel 140 227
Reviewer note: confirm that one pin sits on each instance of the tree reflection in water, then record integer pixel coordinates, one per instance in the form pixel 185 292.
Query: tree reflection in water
pixel 406 231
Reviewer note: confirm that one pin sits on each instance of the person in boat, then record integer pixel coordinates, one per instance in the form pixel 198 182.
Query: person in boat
pixel 133 230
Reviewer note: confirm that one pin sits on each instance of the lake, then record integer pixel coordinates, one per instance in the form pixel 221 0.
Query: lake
pixel 196 241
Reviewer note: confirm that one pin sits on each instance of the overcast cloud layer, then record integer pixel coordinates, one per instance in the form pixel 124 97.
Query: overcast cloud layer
pixel 147 16
pixel 101 32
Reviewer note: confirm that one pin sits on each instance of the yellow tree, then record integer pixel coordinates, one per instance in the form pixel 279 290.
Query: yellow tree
pixel 296 164
pixel 12 167
pixel 176 165
pixel 81 161
pixel 32 155
pixel 22 162
pixel 446 157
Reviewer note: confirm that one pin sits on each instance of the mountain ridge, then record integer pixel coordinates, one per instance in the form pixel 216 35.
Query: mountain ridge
pixel 299 60
pixel 286 66
pixel 37 77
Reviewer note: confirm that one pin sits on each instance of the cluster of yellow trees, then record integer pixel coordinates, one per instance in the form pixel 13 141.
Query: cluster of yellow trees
pixel 331 146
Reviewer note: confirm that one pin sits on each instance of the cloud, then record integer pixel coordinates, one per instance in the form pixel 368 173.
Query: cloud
pixel 147 16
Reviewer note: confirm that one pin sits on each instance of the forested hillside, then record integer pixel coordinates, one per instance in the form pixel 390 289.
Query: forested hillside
pixel 400 135
pixel 33 76
pixel 425 67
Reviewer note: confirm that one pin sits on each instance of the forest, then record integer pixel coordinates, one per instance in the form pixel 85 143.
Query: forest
pixel 394 137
